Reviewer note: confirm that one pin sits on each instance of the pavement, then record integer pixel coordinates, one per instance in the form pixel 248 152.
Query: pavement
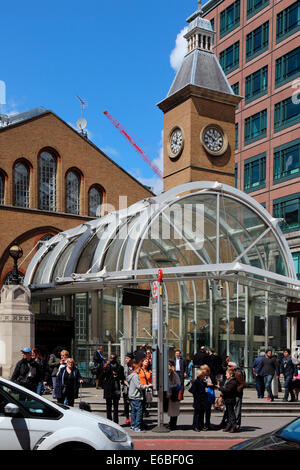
pixel 258 417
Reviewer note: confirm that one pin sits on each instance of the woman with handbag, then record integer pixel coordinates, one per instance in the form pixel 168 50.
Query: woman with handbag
pixel 210 394
pixel 146 379
pixel 174 386
pixel 67 384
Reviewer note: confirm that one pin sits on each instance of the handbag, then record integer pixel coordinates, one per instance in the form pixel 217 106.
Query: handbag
pixel 149 395
pixel 211 397
pixel 180 395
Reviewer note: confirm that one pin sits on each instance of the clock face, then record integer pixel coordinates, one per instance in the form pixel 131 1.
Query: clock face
pixel 176 142
pixel 214 139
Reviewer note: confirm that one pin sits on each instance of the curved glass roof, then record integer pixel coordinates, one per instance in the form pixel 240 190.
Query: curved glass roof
pixel 196 227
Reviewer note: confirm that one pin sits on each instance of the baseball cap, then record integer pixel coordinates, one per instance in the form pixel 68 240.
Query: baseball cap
pixel 26 350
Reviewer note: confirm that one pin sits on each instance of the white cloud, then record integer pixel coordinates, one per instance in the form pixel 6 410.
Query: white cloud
pixel 179 50
pixel 110 151
pixel 154 182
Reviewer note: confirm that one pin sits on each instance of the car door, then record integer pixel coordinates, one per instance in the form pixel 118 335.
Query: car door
pixel 37 418
pixel 14 431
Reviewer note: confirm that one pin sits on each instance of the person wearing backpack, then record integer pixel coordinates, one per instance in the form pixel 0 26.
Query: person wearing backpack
pixel 26 372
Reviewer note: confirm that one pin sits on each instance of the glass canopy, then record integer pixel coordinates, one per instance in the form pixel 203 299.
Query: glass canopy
pixel 227 270
pixel 195 228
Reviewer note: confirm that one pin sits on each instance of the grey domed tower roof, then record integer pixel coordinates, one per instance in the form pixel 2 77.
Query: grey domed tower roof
pixel 200 66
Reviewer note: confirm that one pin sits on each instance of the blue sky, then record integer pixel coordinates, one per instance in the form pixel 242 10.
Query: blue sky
pixel 114 54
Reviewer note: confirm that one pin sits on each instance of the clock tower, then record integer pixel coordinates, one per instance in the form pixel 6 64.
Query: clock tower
pixel 199 114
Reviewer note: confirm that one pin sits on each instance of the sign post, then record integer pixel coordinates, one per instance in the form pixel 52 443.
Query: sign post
pixel 157 332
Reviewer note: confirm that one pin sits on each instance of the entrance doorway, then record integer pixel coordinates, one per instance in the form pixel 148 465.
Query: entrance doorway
pixel 52 333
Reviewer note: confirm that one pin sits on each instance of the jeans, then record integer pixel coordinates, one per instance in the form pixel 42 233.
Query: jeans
pixel 54 379
pixel 39 388
pixel 136 413
pixel 268 384
pixel 260 386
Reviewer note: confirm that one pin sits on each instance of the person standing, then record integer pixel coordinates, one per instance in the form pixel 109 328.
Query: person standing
pixel 99 362
pixel 259 376
pixel 288 370
pixel 201 357
pixel 215 366
pixel 68 383
pixel 174 385
pixel 200 403
pixel 229 393
pixel 53 364
pixel 43 371
pixel 271 369
pixel 180 367
pixel 210 395
pixel 136 398
pixel 112 377
pixel 128 368
pixel 241 383
pixel 145 375
pixel 26 372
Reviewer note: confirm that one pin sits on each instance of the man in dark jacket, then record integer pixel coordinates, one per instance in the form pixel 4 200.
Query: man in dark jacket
pixel 180 367
pixel 288 370
pixel 26 372
pixel 229 393
pixel 201 357
pixel 215 365
pixel 112 377
pixel 270 365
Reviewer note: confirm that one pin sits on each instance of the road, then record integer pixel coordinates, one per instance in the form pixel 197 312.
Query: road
pixel 184 444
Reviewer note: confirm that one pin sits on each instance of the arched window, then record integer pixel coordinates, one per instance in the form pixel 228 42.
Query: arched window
pixel 21 185
pixel 47 173
pixel 95 202
pixel 73 193
pixel 2 187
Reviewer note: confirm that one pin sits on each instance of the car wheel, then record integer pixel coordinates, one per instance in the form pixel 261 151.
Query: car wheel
pixel 73 446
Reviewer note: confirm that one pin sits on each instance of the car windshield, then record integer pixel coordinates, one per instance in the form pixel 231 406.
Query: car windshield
pixel 291 432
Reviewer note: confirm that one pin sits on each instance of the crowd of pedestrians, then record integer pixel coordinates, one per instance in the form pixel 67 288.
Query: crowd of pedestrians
pixel 37 372
pixel 205 376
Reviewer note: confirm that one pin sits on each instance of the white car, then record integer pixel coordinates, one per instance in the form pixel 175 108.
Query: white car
pixel 31 422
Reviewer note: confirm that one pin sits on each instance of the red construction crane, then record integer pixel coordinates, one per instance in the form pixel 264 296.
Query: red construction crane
pixel 135 146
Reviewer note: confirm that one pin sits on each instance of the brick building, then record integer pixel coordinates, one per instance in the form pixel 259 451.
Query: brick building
pixel 258 45
pixel 52 178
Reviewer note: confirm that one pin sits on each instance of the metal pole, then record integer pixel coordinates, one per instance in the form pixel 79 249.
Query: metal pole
pixel 246 353
pixel 211 326
pixel 227 320
pixel 158 327
pixel 266 320
pixel 134 324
